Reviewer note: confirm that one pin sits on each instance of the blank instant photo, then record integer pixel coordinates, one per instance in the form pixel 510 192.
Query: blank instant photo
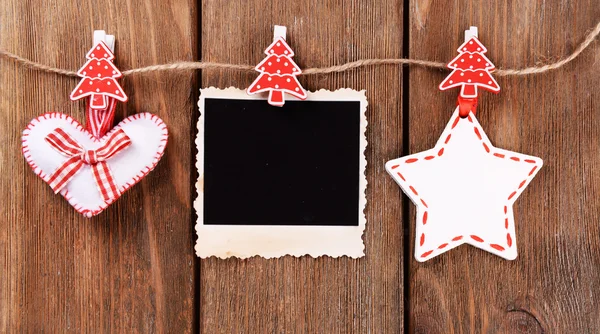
pixel 277 181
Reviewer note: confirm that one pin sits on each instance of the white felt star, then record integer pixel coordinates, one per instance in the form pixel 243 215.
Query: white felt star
pixel 464 189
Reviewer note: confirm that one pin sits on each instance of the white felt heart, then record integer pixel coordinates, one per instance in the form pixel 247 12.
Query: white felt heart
pixel 148 135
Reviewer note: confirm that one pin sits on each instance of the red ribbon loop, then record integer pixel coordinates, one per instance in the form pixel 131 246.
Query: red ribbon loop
pixel 78 157
pixel 465 106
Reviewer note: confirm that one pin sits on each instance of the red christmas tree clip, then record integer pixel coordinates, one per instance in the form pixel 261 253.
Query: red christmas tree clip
pixel 278 72
pixel 99 84
pixel 471 69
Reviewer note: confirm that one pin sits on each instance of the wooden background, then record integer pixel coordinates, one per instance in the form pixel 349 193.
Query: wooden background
pixel 132 269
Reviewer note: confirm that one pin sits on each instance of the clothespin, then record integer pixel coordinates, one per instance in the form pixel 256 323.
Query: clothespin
pixel 279 31
pixel 99 83
pixel 467 105
pixel 109 40
pixel 278 71
pixel 472 32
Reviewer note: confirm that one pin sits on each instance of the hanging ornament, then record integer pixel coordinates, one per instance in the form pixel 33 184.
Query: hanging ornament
pixel 99 83
pixel 92 166
pixel 278 72
pixel 464 187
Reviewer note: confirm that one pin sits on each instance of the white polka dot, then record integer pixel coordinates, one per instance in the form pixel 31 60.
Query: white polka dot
pixel 451 81
pixel 288 80
pixel 84 72
pixel 486 64
pixel 269 78
pixel 480 74
pixel 117 92
pixel 455 65
pixel 114 72
pixel 97 48
pixel 471 57
pixel 295 69
pixel 93 55
pixel 98 75
pixel 462 74
pixel 272 51
pixel 462 60
pixel 297 89
pixel 262 68
pixel 108 83
pixel 469 80
pixel 471 66
pixel 278 60
pixel 285 64
pixel 91 82
pixel 278 44
pixel 97 90
pixel 106 67
pixel 90 67
pixel 269 63
pixel 478 49
pixel 489 82
pixel 81 91
pixel 478 60
pixel 278 71
pixel 105 55
pixel 276 86
pixel 98 63
pixel 285 51
pixel 471 42
pixel 258 86
pixel 465 49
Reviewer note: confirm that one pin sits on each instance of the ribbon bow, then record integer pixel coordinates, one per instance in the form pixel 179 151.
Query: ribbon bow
pixel 78 156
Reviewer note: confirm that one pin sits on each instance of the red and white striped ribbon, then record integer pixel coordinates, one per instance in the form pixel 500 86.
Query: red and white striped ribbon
pixel 79 156
pixel 99 121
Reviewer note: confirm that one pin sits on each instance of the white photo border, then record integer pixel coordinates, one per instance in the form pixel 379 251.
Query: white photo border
pixel 268 241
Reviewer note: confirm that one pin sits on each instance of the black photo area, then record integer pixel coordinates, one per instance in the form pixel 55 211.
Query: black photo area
pixel 291 165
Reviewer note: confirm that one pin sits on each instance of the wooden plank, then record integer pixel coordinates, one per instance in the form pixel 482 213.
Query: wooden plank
pixel 323 295
pixel 553 285
pixel 130 269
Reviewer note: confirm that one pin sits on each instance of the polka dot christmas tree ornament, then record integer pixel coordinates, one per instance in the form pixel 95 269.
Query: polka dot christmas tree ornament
pixel 464 187
pixel 278 72
pixel 470 71
pixel 99 76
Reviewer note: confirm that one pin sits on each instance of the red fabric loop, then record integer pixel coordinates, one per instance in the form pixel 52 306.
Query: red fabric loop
pixel 465 106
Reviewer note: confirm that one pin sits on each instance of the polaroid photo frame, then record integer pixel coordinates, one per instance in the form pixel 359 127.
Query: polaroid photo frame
pixel 276 181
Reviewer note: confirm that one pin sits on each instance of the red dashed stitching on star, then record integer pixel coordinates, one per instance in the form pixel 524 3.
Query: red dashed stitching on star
pixel 495 154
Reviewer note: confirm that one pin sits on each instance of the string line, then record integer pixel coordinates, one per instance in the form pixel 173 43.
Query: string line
pixel 206 65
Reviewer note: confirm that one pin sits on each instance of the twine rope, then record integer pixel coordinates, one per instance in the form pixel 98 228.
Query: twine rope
pixel 206 65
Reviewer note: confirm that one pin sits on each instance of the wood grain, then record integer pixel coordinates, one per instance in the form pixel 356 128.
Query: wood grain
pixel 131 269
pixel 553 285
pixel 323 295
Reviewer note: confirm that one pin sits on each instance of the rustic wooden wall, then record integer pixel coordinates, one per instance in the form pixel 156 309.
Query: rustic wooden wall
pixel 132 269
